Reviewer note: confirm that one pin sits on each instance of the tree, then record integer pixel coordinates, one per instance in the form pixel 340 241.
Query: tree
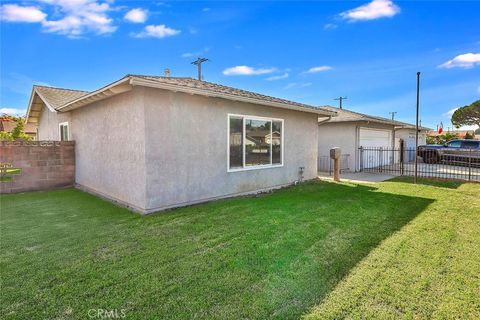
pixel 431 140
pixel 467 115
pixel 17 133
pixel 468 135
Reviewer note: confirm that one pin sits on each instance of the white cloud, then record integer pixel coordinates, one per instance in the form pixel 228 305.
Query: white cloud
pixel 279 77
pixel 13 111
pixel 297 85
pixel 449 113
pixel 246 71
pixel 466 61
pixel 478 89
pixel 318 69
pixel 157 31
pixel 371 11
pixel 330 26
pixel 206 9
pixel 137 15
pixel 16 13
pixel 75 17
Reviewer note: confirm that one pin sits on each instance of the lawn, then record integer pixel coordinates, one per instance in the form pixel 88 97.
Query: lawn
pixel 320 250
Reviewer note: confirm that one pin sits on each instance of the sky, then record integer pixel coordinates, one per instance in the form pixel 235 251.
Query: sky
pixel 310 52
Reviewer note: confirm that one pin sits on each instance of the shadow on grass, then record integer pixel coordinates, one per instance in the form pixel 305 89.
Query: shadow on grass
pixel 273 256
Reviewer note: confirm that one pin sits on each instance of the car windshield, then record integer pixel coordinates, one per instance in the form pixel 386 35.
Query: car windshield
pixel 454 144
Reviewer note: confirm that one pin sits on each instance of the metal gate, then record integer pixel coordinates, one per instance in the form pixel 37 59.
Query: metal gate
pixel 464 164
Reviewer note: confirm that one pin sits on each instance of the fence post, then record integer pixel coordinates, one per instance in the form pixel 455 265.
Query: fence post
pixel 361 159
pixel 402 155
pixel 380 159
pixel 470 165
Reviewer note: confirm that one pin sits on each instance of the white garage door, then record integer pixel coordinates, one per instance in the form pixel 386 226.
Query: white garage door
pixel 375 141
pixel 375 138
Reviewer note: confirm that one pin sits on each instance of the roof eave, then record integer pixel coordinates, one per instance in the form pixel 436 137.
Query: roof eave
pixel 30 102
pixel 213 94
pixel 117 87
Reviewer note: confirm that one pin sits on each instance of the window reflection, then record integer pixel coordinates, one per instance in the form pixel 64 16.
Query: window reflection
pixel 257 149
pixel 236 142
pixel 276 142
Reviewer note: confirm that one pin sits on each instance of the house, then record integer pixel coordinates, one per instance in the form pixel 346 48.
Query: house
pixel 152 143
pixel 351 130
pixel 8 124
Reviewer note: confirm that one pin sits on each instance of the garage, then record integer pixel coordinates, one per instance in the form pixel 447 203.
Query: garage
pixel 373 139
pixel 350 130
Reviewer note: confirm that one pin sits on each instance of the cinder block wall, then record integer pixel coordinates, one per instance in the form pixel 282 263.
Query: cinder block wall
pixel 44 165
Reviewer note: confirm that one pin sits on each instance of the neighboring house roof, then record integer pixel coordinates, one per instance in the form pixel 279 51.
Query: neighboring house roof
pixel 343 115
pixel 64 99
pixel 9 125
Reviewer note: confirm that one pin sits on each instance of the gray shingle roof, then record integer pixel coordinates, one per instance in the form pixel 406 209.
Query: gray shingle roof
pixel 218 88
pixel 57 97
pixel 352 116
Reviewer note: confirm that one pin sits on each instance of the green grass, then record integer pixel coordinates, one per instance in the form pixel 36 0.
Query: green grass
pixel 401 250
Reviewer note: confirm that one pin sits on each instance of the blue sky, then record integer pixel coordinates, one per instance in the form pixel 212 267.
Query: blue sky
pixel 309 52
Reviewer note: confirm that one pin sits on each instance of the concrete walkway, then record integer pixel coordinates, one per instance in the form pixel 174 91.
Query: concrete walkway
pixel 357 177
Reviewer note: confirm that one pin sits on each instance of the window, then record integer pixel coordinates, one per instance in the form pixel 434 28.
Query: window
pixel 470 144
pixel 64 131
pixel 454 144
pixel 254 142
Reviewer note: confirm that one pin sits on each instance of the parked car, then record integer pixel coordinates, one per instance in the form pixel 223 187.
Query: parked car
pixel 463 151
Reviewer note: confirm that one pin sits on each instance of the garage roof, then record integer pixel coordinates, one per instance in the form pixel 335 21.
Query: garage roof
pixel 343 115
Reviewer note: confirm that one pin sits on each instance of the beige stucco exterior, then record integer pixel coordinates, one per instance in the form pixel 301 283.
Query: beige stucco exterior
pixel 345 135
pixel 48 122
pixel 153 149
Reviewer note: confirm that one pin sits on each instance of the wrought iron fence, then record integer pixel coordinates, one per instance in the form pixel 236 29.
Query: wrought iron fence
pixel 458 164
pixel 325 163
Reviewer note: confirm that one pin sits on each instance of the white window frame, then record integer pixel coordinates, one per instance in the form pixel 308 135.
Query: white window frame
pixel 60 130
pixel 265 166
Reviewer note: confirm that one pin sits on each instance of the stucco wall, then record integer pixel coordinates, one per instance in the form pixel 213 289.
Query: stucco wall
pixel 186 149
pixel 48 124
pixel 342 135
pixel 346 136
pixel 110 148
pixel 408 135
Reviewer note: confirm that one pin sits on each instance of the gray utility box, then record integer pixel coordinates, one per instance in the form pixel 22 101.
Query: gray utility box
pixel 335 153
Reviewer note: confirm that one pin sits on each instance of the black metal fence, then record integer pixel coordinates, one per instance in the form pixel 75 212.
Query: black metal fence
pixel 325 163
pixel 458 164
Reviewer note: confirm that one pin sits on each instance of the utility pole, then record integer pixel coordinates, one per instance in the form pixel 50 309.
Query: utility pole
pixel 416 127
pixel 198 63
pixel 341 99
pixel 393 113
